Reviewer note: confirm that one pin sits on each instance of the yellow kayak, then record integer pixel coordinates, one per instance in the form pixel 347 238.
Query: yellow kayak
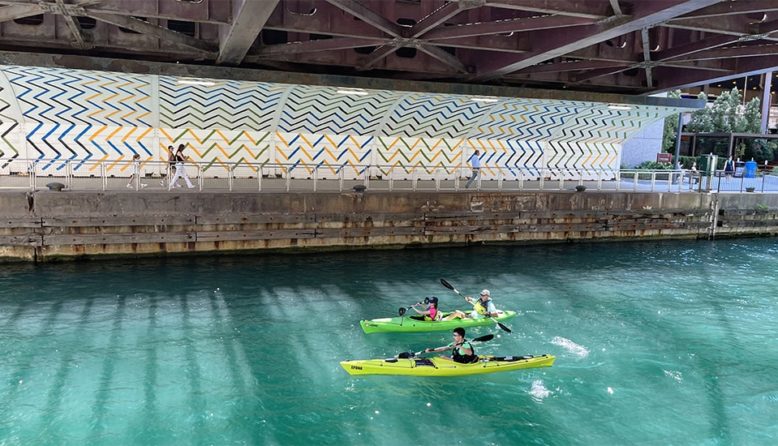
pixel 438 366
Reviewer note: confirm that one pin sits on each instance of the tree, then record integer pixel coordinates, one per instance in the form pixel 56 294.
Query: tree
pixel 728 115
pixel 671 125
pixel 702 119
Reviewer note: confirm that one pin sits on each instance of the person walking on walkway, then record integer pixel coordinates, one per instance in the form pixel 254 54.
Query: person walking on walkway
pixel 180 170
pixel 475 165
pixel 171 166
pixel 135 172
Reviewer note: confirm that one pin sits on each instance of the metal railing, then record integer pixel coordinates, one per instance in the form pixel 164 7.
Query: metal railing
pixel 289 177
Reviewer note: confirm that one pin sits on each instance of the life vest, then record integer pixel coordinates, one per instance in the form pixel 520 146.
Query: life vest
pixel 481 306
pixel 463 359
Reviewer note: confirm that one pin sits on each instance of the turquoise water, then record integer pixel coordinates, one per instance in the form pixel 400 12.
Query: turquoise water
pixel 656 343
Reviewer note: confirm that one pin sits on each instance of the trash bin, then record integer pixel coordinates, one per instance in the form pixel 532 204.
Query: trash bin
pixel 750 171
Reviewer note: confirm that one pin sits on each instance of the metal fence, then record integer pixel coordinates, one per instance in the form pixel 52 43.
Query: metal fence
pixel 299 177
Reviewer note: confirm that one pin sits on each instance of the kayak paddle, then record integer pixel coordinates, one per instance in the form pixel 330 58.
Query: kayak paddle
pixel 403 310
pixel 407 355
pixel 502 326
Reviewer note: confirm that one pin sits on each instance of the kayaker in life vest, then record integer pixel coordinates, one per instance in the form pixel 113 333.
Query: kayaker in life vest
pixel 483 306
pixel 462 350
pixel 431 313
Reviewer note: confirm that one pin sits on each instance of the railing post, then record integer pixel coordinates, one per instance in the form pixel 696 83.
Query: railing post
pixel 229 176
pixel 391 178
pixel 315 176
pixel 499 180
pixel 340 179
pixel 288 178
pixel 764 174
pixel 413 179
pixel 102 175
pixel 542 178
pixel 437 179
pixel 68 182
pixel 653 180
pixel 259 178
pixel 31 172
pixel 561 179
pixel 200 179
pixel 457 173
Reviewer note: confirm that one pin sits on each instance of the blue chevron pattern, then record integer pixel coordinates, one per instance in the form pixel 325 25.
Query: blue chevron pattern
pixel 323 110
pixel 434 116
pixel 229 105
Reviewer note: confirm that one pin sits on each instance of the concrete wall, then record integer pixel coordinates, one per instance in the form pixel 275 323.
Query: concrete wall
pixel 44 226
pixel 643 145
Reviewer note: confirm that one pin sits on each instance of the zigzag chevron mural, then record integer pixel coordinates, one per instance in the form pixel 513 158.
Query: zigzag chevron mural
pixel 99 120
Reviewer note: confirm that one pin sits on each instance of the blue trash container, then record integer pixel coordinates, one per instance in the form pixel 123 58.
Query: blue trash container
pixel 750 171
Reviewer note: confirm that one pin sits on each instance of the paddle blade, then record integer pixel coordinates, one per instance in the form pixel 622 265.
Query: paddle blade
pixel 445 283
pixel 484 338
pixel 402 311
pixel 504 327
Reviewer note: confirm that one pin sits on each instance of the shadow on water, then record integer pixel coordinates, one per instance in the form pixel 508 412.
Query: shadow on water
pixel 150 373
pixel 57 388
pixel 103 395
pixel 193 374
pixel 23 368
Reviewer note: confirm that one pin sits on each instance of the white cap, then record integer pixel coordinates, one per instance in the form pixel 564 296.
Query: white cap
pixel 485 293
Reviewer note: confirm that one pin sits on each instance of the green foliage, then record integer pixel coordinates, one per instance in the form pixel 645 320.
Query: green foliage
pixel 761 150
pixel 687 161
pixel 671 126
pixel 653 165
pixel 727 115
pixel 702 120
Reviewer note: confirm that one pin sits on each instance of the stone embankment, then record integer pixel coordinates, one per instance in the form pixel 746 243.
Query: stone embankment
pixel 45 225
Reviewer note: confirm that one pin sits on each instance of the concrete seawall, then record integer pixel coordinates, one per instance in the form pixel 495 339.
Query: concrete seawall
pixel 44 226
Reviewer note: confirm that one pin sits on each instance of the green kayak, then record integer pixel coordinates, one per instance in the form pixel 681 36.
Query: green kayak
pixel 414 324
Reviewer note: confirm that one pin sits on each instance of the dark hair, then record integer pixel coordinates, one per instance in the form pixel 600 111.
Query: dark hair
pixel 181 147
pixel 460 331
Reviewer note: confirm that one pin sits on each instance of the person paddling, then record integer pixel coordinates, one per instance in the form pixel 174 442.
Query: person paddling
pixel 431 313
pixel 462 350
pixel 483 306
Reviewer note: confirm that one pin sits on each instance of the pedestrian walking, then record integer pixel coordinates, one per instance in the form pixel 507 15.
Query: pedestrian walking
pixel 180 158
pixel 135 172
pixel 475 166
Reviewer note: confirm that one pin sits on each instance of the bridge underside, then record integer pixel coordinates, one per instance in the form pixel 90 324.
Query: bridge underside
pixel 626 46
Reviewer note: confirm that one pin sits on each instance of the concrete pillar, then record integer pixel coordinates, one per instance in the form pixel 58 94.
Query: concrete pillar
pixel 766 97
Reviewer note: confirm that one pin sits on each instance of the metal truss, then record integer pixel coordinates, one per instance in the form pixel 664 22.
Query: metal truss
pixel 626 46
